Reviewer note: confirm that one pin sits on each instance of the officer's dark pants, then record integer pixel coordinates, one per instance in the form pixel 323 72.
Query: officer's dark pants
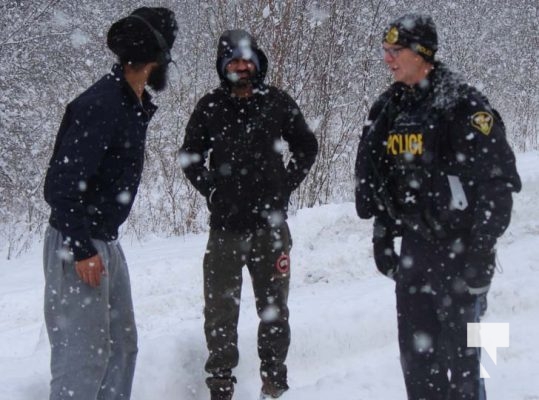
pixel 433 312
pixel 266 255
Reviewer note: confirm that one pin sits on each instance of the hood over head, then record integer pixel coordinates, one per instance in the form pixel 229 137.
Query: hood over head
pixel 237 43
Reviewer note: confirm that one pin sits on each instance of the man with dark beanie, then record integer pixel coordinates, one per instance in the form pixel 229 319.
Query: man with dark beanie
pixel 91 184
pixel 434 167
pixel 239 128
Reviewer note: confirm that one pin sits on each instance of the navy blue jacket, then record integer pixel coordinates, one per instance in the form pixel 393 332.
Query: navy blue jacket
pixel 98 156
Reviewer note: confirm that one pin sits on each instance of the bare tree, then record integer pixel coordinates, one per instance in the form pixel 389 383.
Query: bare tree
pixel 323 52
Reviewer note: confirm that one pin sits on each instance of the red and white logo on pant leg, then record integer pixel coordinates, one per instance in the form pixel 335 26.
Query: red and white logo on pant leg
pixel 283 264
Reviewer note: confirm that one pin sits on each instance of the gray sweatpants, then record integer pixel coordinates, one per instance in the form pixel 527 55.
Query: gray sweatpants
pixel 92 331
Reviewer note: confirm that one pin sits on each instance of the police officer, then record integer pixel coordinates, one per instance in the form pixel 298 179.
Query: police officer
pixel 240 128
pixel 434 167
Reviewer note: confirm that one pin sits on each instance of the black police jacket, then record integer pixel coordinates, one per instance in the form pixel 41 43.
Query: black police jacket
pixel 97 161
pixel 435 157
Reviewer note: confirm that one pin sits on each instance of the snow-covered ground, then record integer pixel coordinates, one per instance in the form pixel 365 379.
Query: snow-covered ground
pixel 342 313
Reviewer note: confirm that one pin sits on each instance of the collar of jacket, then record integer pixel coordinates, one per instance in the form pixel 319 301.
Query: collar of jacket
pixel 443 88
pixel 413 94
pixel 258 87
pixel 117 72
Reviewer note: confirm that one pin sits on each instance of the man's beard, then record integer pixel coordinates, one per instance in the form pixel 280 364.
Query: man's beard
pixel 235 81
pixel 158 78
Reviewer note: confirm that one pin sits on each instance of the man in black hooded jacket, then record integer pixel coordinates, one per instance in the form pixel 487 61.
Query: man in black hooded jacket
pixel 434 167
pixel 240 129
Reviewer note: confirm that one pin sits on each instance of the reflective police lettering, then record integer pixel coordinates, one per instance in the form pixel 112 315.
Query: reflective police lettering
pixel 400 143
pixel 424 50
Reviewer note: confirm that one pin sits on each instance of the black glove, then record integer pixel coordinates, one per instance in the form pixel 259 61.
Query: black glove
pixel 478 270
pixel 385 257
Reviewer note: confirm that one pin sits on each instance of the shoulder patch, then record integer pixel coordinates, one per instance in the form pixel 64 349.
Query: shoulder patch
pixel 483 121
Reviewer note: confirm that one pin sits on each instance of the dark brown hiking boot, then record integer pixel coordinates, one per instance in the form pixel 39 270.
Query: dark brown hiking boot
pixel 272 390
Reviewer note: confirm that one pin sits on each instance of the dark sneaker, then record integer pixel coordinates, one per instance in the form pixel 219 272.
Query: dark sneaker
pixel 218 395
pixel 221 388
pixel 272 390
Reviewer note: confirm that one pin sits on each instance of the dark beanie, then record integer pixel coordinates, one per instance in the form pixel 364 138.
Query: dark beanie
pixel 146 35
pixel 415 31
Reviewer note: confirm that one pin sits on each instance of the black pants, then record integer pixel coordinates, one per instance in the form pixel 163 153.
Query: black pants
pixel 266 254
pixel 433 312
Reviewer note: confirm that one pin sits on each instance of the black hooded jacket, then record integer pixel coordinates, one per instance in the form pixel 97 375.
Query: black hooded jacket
pixel 97 161
pixel 436 155
pixel 246 183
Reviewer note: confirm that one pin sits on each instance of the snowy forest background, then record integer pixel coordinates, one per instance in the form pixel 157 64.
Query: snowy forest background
pixel 324 53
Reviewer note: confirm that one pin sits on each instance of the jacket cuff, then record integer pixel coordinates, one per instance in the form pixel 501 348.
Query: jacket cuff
pixel 82 249
pixel 479 291
pixel 483 244
pixel 210 196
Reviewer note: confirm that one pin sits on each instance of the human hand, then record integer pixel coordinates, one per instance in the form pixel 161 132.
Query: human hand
pixel 479 269
pixel 90 270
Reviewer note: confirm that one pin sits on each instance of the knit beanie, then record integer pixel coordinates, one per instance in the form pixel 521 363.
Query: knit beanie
pixel 416 32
